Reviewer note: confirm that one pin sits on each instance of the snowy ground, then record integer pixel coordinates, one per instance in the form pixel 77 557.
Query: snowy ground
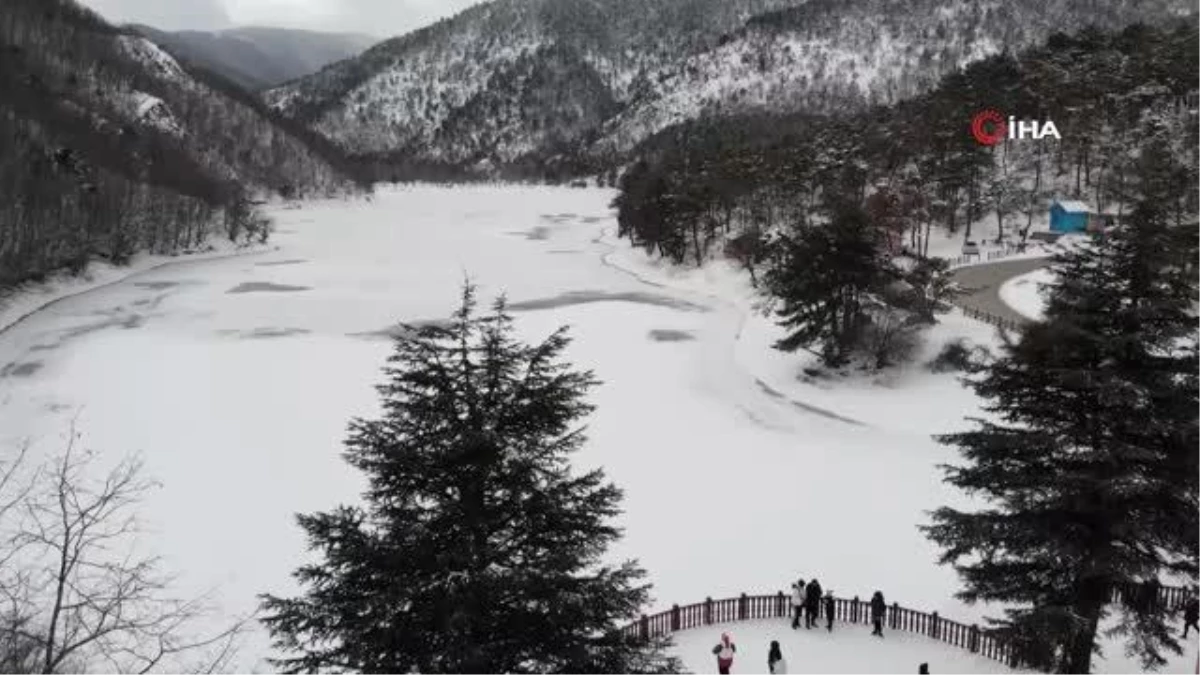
pixel 1025 294
pixel 235 379
pixel 849 648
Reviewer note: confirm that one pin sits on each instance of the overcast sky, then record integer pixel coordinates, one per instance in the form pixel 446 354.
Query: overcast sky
pixel 381 18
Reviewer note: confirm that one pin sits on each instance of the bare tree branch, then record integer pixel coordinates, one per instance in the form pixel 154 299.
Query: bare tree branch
pixel 73 591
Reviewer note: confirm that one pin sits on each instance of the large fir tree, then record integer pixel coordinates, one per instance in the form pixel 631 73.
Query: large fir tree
pixel 478 549
pixel 1089 469
pixel 822 281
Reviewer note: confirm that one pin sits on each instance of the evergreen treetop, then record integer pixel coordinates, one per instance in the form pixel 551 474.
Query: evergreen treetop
pixel 478 549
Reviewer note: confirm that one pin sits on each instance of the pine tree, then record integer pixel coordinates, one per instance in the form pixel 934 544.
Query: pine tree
pixel 1089 470
pixel 478 549
pixel 822 281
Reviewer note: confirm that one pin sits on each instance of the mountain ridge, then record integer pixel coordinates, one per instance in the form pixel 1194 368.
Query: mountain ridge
pixel 662 62
pixel 109 146
pixel 259 57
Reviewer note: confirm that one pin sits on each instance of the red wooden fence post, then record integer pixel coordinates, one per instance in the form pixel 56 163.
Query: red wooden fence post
pixel 674 618
pixel 854 611
pixel 934 631
pixel 708 611
pixel 742 607
pixel 974 641
pixel 644 627
pixel 894 619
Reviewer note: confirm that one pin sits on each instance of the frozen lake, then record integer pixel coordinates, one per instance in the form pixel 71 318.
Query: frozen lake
pixel 235 380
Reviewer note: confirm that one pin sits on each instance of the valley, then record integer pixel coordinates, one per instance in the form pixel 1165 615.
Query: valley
pixel 235 378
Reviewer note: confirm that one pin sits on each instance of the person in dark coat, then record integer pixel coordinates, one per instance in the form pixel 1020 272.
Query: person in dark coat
pixel 923 669
pixel 812 603
pixel 878 609
pixel 797 603
pixel 1191 614
pixel 775 663
pixel 829 610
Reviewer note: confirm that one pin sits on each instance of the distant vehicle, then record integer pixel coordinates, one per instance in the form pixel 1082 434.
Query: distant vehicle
pixel 579 183
pixel 970 248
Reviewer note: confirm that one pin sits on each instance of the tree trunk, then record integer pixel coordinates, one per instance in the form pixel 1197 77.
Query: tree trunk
pixel 1090 601
pixel 1037 185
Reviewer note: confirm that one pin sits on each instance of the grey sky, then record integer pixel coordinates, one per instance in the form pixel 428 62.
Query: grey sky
pixel 382 18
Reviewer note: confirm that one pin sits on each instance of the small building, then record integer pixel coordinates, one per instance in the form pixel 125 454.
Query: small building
pixel 1068 216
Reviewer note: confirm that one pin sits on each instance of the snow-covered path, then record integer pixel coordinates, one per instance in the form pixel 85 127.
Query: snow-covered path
pixel 235 380
pixel 983 284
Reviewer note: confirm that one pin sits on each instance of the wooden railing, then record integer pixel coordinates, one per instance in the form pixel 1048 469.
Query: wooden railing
pixel 987 317
pixel 856 611
pixel 983 257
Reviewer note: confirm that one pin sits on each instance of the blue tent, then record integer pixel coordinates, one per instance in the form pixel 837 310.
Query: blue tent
pixel 1068 216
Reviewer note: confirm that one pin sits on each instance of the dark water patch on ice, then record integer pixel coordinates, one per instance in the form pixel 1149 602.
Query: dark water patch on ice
pixel 806 407
pixel 26 369
pixel 156 285
pixel 565 251
pixel 400 330
pixel 539 233
pixel 114 320
pixel 586 297
pixel 265 287
pixel 151 303
pixel 559 217
pixel 277 263
pixel 592 220
pixel 265 332
pixel 668 335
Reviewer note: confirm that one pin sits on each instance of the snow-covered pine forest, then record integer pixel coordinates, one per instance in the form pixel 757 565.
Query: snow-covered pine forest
pixel 489 427
pixel 111 147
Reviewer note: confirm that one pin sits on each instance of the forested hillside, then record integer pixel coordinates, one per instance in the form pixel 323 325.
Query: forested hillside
pixel 839 210
pixel 108 146
pixel 1107 93
pixel 455 94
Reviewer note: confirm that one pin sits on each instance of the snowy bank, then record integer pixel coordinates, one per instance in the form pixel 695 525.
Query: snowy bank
pixel 1026 294
pixel 19 302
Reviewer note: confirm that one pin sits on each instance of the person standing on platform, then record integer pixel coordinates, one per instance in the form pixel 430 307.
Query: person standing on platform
pixel 775 663
pixel 812 603
pixel 878 610
pixel 724 652
pixel 797 603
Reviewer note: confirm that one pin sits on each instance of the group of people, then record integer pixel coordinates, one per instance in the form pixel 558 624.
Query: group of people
pixel 809 600
pixel 808 603
pixel 776 665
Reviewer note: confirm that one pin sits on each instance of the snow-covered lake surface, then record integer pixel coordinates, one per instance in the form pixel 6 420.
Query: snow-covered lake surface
pixel 235 379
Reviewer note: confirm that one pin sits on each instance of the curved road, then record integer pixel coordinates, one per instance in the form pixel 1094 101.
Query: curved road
pixel 981 285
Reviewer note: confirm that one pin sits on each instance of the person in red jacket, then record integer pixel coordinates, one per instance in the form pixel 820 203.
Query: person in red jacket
pixel 724 652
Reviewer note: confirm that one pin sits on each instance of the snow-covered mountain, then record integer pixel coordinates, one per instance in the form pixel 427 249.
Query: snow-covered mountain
pixel 112 146
pixel 260 57
pixel 514 79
